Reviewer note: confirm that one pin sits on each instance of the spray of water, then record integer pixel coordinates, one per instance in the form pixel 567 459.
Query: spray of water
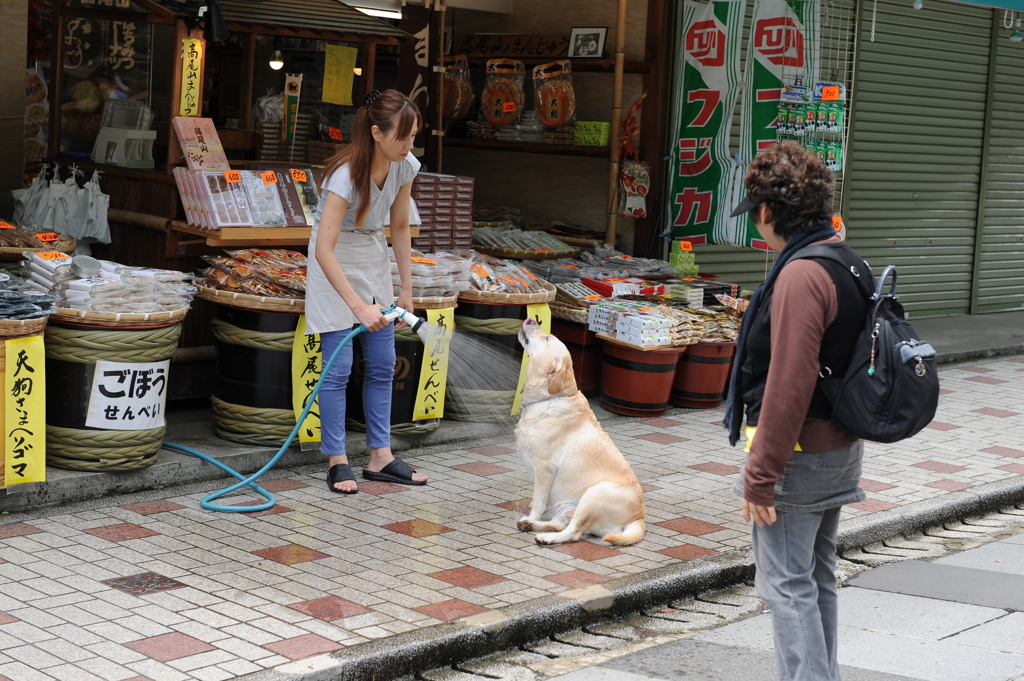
pixel 482 378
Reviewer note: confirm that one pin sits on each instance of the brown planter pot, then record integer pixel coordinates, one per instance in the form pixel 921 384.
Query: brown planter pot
pixel 637 382
pixel 702 375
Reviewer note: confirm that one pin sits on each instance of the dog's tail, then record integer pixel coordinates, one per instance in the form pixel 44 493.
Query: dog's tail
pixel 630 534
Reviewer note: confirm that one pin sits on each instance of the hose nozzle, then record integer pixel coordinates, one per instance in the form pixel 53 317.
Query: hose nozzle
pixel 415 323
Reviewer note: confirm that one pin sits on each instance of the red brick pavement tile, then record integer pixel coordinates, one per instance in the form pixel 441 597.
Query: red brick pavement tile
pixel 7 619
pixel 282 485
pixel 450 610
pixel 939 467
pixel 467 577
pixel 977 370
pixel 303 646
pixel 648 488
pixel 417 528
pixel 151 507
pixel 1005 451
pixel 690 526
pixel 661 423
pixel 329 608
pixel 1013 468
pixel 121 532
pixel 167 647
pixel 944 391
pixel 873 485
pixel 874 505
pixel 273 510
pixel 481 468
pixel 1018 360
pixel 585 550
pixel 716 468
pixel 938 425
pixel 576 578
pixel 17 530
pixel 661 438
pixel 519 505
pixel 376 488
pixel 490 450
pixel 986 380
pixel 1000 413
pixel 949 485
pixel 687 552
pixel 290 554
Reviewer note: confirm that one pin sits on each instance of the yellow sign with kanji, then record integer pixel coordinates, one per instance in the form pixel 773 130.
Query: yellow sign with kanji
pixel 339 63
pixel 190 103
pixel 434 371
pixel 307 364
pixel 542 313
pixel 24 413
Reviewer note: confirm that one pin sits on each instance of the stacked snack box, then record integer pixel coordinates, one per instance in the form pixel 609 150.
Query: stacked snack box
pixel 445 205
pixel 682 259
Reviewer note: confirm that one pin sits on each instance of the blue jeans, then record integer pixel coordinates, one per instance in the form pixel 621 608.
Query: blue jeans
pixel 796 559
pixel 379 353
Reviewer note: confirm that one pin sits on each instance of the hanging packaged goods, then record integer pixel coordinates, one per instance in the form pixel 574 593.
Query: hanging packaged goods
pixel 503 96
pixel 555 98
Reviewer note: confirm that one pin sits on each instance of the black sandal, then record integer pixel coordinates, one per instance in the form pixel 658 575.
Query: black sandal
pixel 397 471
pixel 340 472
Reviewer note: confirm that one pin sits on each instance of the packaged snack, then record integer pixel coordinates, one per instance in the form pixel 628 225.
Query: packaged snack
pixel 821 117
pixel 51 261
pixel 290 279
pixel 264 199
pixel 834 156
pixel 225 198
pixel 503 95
pixel 554 96
pixel 458 90
pixel 835 117
pixel 782 121
pixel 810 117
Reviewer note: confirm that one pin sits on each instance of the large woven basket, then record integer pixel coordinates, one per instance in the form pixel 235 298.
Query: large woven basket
pixel 16 328
pixel 439 303
pixel 571 314
pixel 65 245
pixel 121 319
pixel 246 301
pixel 546 296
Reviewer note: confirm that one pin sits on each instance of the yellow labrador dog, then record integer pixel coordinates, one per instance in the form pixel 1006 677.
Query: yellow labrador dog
pixel 581 481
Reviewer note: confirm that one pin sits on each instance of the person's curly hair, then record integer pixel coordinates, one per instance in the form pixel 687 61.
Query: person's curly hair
pixel 795 185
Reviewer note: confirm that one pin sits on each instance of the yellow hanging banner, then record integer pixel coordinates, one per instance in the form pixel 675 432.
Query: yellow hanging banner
pixel 542 313
pixel 434 370
pixel 24 413
pixel 191 77
pixel 339 63
pixel 307 364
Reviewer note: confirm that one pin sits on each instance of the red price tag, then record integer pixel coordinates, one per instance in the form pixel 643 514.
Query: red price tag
pixel 334 134
pixel 53 255
pixel 233 176
pixel 508 107
pixel 299 175
pixel 6 225
pixel 685 246
pixel 269 177
pixel 48 236
pixel 830 93
pixel 837 223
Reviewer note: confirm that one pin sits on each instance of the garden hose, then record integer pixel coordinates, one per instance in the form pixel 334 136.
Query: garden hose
pixel 207 502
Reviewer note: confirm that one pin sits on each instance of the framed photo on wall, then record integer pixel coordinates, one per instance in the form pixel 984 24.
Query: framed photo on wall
pixel 587 43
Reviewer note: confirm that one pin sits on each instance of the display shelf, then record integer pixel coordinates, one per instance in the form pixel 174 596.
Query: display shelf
pixel 529 147
pixel 578 65
pixel 259 236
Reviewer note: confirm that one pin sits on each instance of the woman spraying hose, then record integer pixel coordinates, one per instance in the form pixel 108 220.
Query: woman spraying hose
pixel 367 185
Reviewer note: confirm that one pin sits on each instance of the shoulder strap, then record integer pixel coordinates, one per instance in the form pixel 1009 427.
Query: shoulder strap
pixel 852 262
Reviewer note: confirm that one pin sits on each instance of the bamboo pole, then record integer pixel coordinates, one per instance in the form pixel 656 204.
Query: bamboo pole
pixel 616 125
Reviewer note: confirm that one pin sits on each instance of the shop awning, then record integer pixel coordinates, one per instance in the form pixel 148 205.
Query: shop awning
pixel 1015 5
pixel 323 16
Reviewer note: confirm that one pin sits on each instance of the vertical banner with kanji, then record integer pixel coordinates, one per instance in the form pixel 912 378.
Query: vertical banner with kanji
pixel 24 414
pixel 190 101
pixel 292 90
pixel 782 64
pixel 542 313
pixel 434 370
pixel 307 364
pixel 708 78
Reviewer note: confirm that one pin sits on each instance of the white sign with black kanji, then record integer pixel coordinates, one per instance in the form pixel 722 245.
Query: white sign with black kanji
pixel 128 396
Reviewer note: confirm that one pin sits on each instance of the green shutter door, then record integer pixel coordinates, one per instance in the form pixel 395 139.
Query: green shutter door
pixel 914 161
pixel 1001 274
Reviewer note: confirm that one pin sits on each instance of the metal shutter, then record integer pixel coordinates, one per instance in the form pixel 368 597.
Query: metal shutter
pixel 915 153
pixel 1001 272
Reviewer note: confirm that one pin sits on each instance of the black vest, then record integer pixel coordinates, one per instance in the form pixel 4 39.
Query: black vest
pixel 836 345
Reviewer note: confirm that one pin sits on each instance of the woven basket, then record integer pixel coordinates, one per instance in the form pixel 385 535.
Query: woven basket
pixel 247 301
pixel 121 319
pixel 435 303
pixel 518 254
pixel 15 253
pixel 572 314
pixel 474 296
pixel 16 328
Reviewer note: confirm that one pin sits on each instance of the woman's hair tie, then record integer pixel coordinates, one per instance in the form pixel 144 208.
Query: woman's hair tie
pixel 370 98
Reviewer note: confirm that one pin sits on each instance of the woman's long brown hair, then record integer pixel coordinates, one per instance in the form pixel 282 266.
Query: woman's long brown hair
pixel 390 111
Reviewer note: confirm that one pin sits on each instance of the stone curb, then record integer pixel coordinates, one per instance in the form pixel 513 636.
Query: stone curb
pixel 979 353
pixel 495 630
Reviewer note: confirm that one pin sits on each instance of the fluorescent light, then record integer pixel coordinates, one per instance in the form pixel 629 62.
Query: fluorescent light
pixel 382 13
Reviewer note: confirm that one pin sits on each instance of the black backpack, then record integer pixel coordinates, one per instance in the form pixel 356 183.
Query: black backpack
pixel 891 389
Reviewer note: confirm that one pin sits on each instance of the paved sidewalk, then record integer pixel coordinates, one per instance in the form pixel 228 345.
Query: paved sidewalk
pixel 227 595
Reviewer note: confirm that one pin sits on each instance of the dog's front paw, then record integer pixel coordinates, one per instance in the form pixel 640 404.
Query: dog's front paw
pixel 546 538
pixel 525 524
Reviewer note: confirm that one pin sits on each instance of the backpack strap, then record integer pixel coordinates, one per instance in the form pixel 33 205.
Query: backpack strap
pixel 852 262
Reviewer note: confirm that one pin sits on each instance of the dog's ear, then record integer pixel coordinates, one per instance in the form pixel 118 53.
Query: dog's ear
pixel 556 376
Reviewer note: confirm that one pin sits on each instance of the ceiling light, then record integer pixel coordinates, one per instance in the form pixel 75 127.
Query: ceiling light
pixel 276 60
pixel 382 13
pixel 358 70
pixel 1016 36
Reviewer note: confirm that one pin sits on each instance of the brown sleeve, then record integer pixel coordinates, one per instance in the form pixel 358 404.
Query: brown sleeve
pixel 803 306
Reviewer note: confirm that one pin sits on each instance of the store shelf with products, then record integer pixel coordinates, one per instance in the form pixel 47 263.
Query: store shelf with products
pixel 258 236
pixel 528 147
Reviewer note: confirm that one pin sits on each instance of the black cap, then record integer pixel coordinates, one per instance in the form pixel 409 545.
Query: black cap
pixel 746 205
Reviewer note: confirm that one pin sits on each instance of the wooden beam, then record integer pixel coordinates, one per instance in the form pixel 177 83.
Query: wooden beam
pixel 57 79
pixel 108 15
pixel 158 9
pixel 368 54
pixel 317 34
pixel 248 66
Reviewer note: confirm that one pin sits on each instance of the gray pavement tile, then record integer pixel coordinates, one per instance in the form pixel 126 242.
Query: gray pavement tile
pixel 902 615
pixel 946 582
pixel 1001 556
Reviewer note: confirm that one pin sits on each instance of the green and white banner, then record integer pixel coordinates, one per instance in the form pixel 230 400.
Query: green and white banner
pixel 708 77
pixel 782 65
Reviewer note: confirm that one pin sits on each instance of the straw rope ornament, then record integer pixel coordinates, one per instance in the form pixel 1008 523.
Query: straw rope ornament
pixel 86 346
pixel 259 340
pixel 266 427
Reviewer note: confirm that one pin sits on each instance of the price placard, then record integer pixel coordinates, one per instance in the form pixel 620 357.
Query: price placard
pixel 233 176
pixel 6 225
pixel 269 177
pixel 425 261
pixel 53 255
pixel 830 93
pixel 334 134
pixel 685 246
pixel 837 223
pixel 48 236
pixel 299 175
pixel 508 107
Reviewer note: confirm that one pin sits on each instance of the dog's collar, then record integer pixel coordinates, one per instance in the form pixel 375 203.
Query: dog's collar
pixel 546 399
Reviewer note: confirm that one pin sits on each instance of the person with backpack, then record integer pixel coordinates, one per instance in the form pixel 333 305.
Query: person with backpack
pixel 802 325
